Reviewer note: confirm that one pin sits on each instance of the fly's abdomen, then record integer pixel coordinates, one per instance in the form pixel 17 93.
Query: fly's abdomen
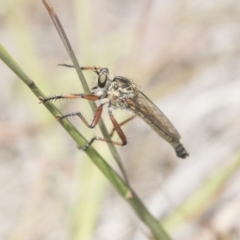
pixel 142 106
pixel 181 151
pixel 179 148
pixel 161 133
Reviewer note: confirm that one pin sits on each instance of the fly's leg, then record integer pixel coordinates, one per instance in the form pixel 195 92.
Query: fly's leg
pixel 95 121
pixel 74 96
pixel 66 65
pixel 118 130
pixel 121 124
pixel 82 68
pixel 90 97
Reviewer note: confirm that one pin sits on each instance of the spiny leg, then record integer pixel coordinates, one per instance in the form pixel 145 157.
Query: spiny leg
pixel 121 124
pixel 90 97
pixel 74 96
pixel 95 121
pixel 82 68
pixel 118 130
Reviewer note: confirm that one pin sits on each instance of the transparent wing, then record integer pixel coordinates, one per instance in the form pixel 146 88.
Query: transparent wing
pixel 145 108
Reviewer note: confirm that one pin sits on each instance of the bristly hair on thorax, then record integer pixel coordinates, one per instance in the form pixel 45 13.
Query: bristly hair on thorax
pixel 115 92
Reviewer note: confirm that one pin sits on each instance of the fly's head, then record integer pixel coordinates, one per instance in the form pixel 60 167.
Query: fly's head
pixel 102 77
pixel 103 82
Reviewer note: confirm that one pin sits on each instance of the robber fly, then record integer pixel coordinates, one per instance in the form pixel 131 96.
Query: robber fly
pixel 120 93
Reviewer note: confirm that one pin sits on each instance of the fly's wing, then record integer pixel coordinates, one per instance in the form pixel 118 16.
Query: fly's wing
pixel 142 105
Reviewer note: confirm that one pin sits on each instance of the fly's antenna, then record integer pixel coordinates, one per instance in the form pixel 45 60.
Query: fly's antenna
pixel 96 71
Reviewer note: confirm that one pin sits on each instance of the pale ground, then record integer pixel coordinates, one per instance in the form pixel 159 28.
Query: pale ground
pixel 185 55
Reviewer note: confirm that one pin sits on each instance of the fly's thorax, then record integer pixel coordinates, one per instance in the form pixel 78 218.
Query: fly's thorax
pixel 119 90
pixel 116 99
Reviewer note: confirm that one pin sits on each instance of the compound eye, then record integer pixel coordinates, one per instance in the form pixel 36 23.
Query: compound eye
pixel 102 78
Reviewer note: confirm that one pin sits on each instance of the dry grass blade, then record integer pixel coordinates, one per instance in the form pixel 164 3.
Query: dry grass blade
pixel 69 49
pixel 67 44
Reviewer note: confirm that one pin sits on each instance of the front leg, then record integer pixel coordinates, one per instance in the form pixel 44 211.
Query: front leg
pixel 90 97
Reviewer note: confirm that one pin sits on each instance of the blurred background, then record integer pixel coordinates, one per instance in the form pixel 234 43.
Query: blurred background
pixel 185 55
